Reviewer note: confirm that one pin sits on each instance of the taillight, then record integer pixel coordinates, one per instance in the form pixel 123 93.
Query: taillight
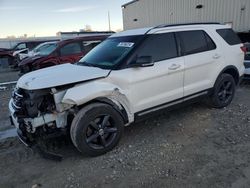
pixel 244 49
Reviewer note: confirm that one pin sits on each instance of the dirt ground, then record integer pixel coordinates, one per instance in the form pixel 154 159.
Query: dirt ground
pixel 194 146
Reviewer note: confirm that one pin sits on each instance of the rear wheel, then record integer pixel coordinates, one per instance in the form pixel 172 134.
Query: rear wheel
pixel 223 92
pixel 96 129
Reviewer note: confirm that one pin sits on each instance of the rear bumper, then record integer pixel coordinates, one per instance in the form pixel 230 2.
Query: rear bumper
pixel 247 70
pixel 247 64
pixel 246 77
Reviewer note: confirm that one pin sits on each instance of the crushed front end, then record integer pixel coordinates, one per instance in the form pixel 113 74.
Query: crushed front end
pixel 38 115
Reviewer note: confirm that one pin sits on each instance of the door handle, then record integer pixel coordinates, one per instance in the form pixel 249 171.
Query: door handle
pixel 174 67
pixel 216 56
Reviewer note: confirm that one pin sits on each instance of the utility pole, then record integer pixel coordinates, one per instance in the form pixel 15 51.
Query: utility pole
pixel 109 21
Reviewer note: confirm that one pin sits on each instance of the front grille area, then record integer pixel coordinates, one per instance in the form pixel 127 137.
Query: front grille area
pixel 18 99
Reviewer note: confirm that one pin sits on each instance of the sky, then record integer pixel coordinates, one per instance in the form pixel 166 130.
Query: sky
pixel 47 17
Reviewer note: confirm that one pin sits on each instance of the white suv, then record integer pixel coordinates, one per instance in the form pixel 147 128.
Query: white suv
pixel 124 79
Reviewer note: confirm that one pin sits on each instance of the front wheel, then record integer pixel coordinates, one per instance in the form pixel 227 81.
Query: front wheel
pixel 223 91
pixel 96 129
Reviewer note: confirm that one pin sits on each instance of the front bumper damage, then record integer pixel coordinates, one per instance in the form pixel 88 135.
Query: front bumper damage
pixel 27 129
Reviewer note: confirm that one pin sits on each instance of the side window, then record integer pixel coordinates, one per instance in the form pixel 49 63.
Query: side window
pixel 210 43
pixel 195 42
pixel 89 45
pixel 159 46
pixel 21 46
pixel 72 48
pixel 229 36
pixel 32 45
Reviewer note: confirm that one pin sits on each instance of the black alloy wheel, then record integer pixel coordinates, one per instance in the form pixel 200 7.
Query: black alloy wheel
pixel 223 91
pixel 96 129
pixel 101 132
pixel 226 91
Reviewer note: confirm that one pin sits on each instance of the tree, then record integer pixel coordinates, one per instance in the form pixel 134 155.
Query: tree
pixel 87 28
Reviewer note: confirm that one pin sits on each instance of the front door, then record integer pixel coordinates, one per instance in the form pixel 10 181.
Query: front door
pixel 148 87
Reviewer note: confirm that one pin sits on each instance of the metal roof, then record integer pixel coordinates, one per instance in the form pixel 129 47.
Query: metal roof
pixel 88 32
pixel 131 2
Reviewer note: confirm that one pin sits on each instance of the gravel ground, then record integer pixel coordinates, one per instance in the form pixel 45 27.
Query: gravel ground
pixel 190 147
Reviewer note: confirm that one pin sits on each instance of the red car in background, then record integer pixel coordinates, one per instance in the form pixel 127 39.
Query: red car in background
pixel 66 51
pixel 24 46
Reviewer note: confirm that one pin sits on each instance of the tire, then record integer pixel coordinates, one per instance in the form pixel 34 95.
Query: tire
pixel 223 91
pixel 96 129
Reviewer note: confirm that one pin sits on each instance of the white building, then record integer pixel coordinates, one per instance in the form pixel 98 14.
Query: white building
pixel 145 13
pixel 74 34
pixel 9 43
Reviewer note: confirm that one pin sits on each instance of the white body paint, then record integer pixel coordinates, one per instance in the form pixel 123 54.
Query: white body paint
pixel 138 89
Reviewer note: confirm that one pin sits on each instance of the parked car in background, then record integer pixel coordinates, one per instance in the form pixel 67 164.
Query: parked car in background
pixel 36 50
pixel 21 47
pixel 66 51
pixel 247 61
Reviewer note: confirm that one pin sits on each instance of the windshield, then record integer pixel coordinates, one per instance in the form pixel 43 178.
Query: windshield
pixel 110 52
pixel 45 49
pixel 42 46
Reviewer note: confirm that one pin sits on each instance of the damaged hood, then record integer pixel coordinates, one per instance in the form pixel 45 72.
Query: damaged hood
pixel 59 75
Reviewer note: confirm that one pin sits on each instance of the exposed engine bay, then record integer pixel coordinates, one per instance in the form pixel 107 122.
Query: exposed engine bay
pixel 32 103
pixel 37 117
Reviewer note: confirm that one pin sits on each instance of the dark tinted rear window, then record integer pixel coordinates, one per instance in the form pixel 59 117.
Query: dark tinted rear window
pixel 210 43
pixel 70 49
pixel 195 42
pixel 89 45
pixel 160 47
pixel 229 36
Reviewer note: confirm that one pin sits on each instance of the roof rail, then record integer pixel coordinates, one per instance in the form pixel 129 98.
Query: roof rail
pixel 183 24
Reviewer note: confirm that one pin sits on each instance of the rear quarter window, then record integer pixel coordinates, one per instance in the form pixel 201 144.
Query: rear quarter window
pixel 229 36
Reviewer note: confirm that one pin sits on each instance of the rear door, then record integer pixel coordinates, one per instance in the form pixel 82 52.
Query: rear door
pixel 70 53
pixel 201 58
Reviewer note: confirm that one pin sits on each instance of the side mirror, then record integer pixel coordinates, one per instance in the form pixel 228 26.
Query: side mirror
pixel 143 61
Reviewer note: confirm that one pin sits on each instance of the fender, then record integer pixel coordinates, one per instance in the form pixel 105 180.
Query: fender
pixel 118 107
pixel 91 91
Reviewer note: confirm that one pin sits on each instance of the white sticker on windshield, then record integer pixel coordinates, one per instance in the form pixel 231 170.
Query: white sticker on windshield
pixel 126 44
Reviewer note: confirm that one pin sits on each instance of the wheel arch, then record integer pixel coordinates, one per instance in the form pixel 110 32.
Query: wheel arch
pixel 100 92
pixel 116 105
pixel 233 71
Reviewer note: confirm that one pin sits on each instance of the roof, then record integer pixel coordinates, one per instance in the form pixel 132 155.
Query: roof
pixel 132 32
pixel 151 30
pixel 131 2
pixel 87 38
pixel 87 32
